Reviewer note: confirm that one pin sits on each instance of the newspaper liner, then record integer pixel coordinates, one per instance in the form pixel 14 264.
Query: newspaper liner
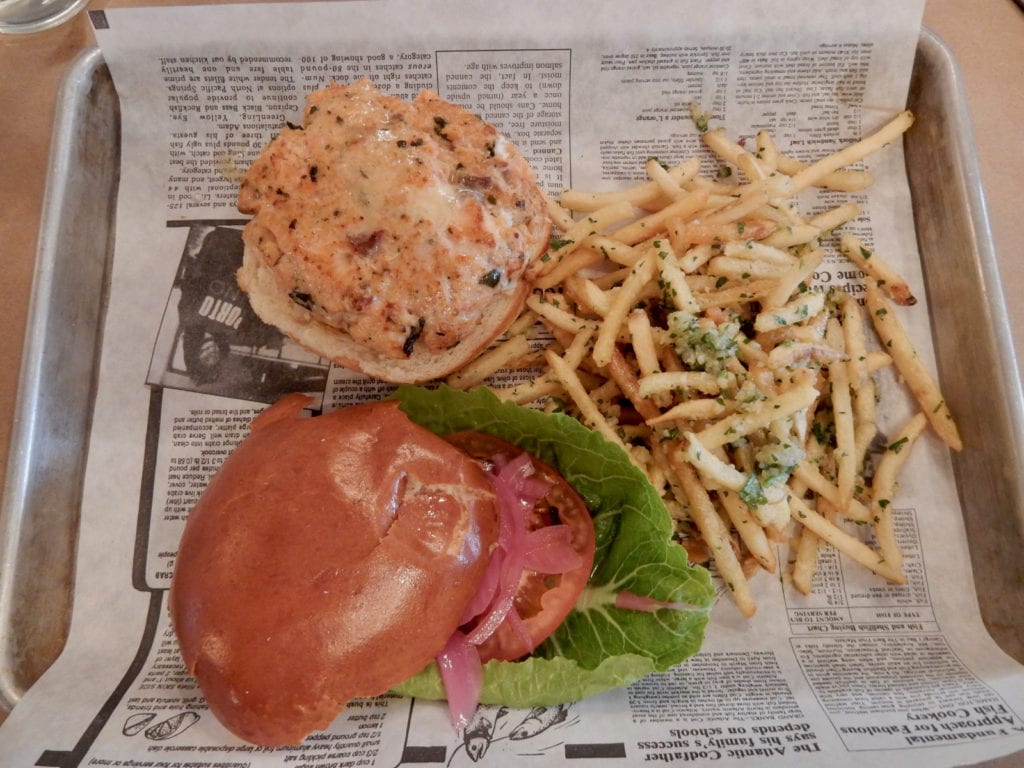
pixel 859 670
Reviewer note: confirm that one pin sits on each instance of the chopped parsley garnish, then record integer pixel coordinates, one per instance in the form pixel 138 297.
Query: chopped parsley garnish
pixel 703 349
pixel 439 125
pixel 752 493
pixel 414 333
pixel 491 279
pixel 302 298
pixel 898 445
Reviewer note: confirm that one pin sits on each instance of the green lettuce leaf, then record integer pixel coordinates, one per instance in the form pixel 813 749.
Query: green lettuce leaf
pixel 599 646
pixel 536 681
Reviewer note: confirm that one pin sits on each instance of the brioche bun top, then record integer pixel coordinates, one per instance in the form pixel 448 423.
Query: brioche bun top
pixel 330 558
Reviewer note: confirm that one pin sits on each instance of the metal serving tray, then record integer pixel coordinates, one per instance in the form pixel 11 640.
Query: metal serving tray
pixel 50 436
pixel 40 512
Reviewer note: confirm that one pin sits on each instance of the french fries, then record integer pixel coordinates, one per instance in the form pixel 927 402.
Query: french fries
pixel 688 330
pixel 919 380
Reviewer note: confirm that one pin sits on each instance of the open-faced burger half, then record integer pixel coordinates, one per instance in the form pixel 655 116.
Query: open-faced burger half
pixel 392 237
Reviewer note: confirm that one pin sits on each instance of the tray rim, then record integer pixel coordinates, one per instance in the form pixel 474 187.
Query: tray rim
pixel 32 377
pixel 988 260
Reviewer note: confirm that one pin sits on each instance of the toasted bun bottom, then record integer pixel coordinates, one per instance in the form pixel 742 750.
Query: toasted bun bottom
pixel 329 559
pixel 275 308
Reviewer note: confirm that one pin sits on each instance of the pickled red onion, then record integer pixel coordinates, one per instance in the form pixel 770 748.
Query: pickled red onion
pixel 463 677
pixel 486 590
pixel 517 625
pixel 517 490
pixel 547 550
pixel 502 604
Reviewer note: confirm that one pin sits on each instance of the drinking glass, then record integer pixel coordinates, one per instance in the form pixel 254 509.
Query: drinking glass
pixel 22 16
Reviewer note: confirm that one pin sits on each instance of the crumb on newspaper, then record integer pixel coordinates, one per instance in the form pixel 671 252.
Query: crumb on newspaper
pixel 687 329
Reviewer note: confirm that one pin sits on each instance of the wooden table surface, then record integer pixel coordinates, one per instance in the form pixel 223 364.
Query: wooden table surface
pixel 986 37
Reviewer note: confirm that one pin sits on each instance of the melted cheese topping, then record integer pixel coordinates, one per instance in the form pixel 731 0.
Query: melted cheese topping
pixel 396 223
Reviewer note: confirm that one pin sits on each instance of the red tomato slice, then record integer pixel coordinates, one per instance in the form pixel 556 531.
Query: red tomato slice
pixel 543 601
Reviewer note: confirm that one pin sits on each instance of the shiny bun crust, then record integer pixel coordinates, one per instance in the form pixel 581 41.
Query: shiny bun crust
pixel 330 558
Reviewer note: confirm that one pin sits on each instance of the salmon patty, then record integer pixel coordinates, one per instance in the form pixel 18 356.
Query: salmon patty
pixel 392 237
